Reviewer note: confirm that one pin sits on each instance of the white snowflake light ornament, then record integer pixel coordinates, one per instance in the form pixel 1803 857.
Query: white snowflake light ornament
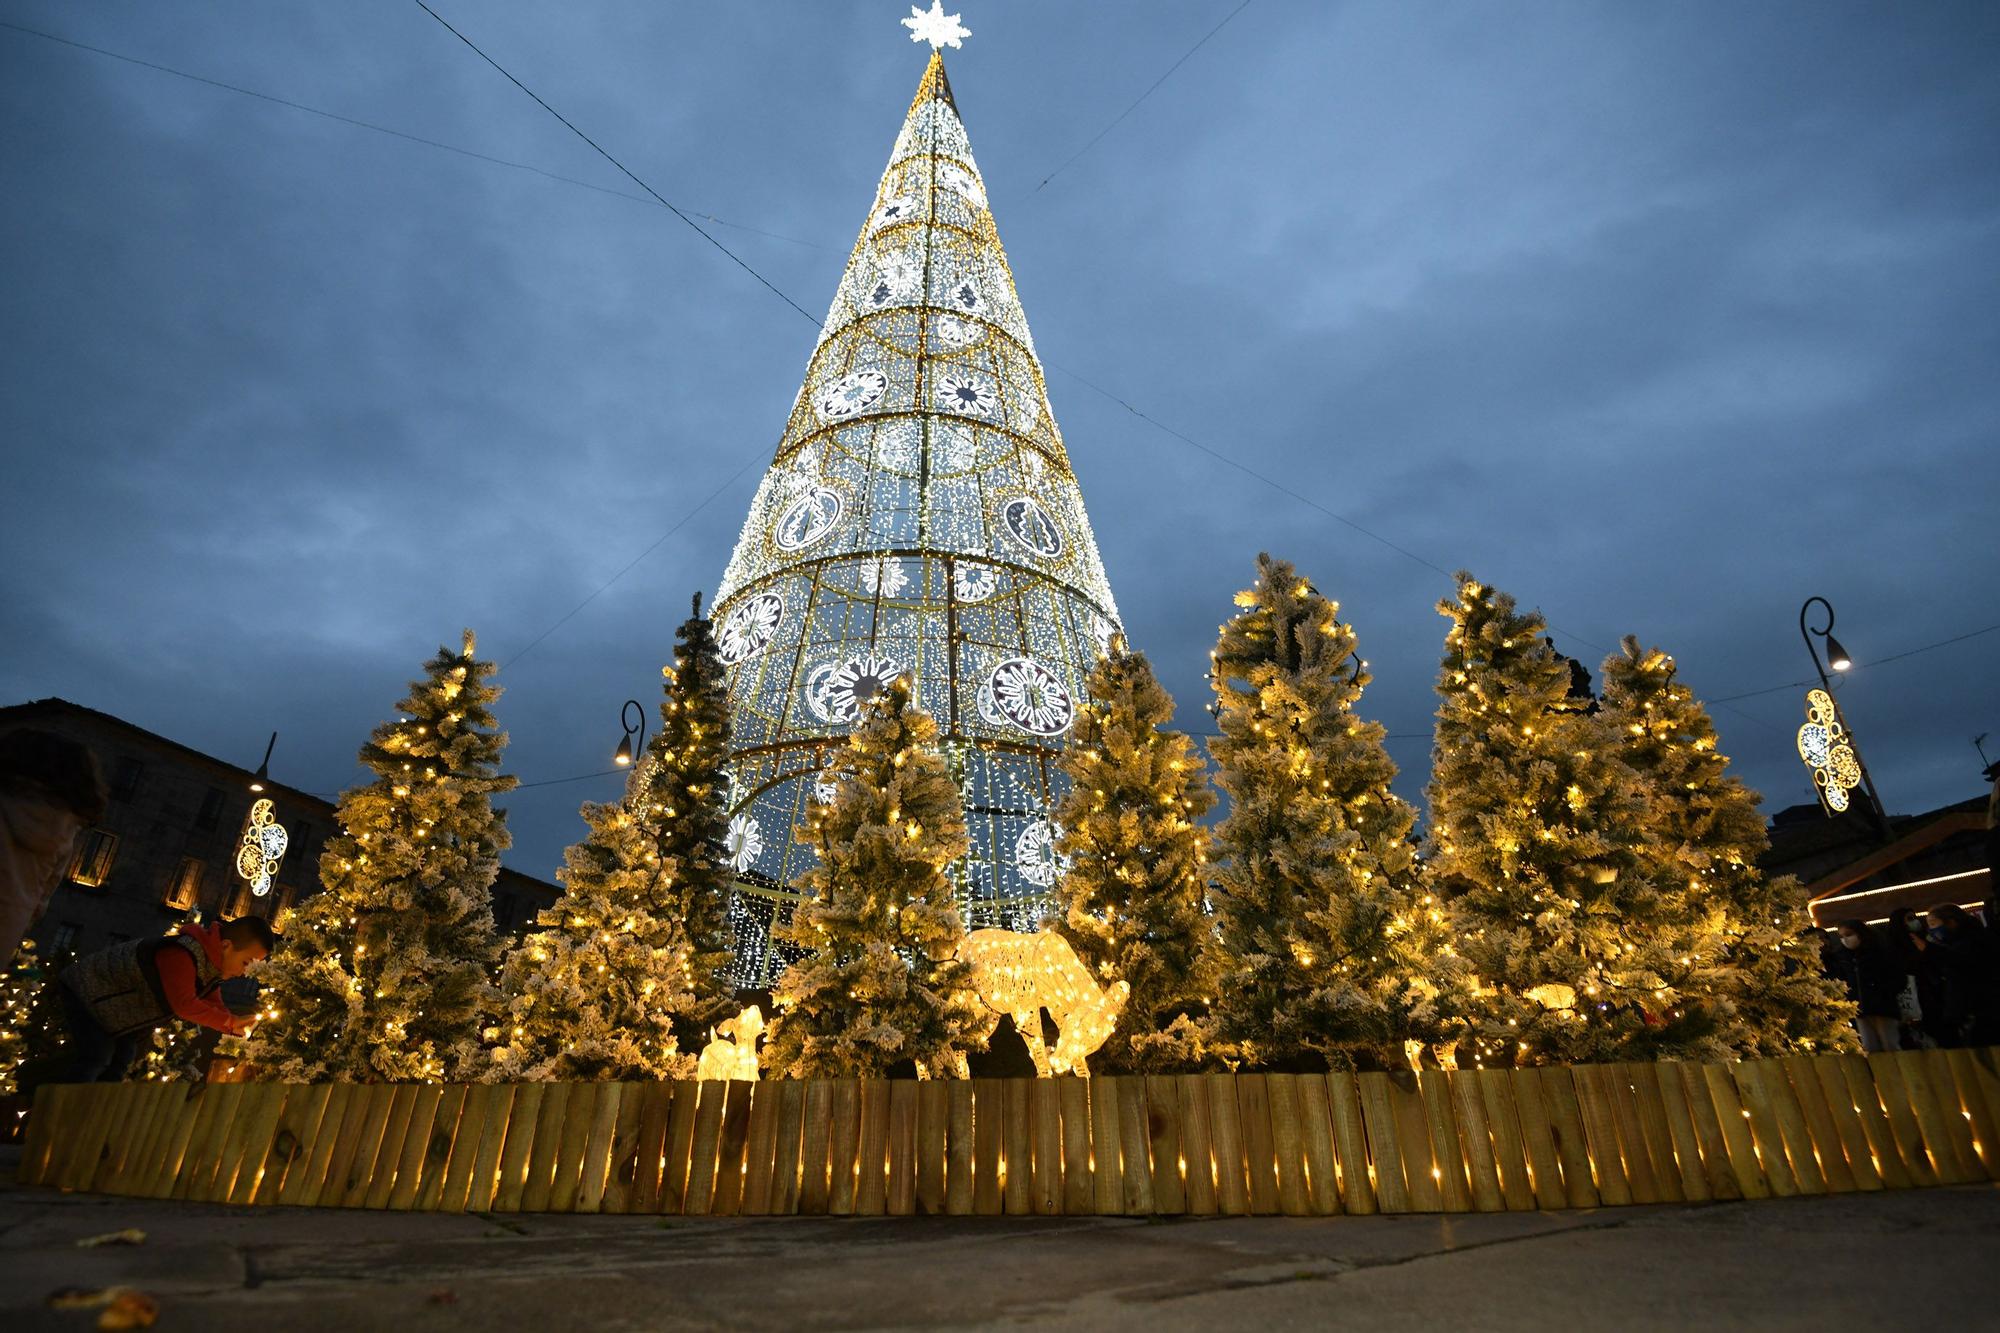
pixel 1036 857
pixel 744 842
pixel 885 576
pixel 936 27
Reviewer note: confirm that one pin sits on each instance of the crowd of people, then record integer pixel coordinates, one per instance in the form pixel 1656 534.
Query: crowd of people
pixel 1922 979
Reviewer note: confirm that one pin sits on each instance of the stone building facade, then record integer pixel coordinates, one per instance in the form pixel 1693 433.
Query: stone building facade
pixel 168 844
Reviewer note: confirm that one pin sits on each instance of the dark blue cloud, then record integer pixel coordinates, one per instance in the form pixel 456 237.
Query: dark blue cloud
pixel 1662 320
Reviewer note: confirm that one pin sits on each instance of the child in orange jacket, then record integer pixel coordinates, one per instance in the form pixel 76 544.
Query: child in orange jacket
pixel 114 998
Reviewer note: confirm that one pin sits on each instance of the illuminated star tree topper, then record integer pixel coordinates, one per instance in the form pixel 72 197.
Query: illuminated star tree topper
pixel 936 27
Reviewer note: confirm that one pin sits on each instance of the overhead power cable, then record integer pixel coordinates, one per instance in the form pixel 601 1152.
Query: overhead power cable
pixel 629 175
pixel 1249 471
pixel 391 131
pixel 579 777
pixel 1859 666
pixel 629 565
pixel 655 197
pixel 687 217
pixel 1115 120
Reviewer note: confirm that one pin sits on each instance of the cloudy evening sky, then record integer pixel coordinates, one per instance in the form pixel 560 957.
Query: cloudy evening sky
pixel 1662 318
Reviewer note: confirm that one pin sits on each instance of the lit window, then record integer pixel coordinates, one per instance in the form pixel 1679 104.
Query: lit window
pixel 95 852
pixel 185 888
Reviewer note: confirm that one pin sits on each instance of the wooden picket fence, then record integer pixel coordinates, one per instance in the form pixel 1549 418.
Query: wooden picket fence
pixel 1293 1144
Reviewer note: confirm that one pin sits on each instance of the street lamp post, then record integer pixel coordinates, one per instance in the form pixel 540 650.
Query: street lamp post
pixel 264 768
pixel 628 750
pixel 1826 732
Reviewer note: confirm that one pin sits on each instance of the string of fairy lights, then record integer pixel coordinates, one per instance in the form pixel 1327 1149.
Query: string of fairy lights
pixel 688 214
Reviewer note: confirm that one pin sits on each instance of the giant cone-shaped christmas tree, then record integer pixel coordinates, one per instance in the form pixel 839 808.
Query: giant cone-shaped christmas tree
pixel 920 516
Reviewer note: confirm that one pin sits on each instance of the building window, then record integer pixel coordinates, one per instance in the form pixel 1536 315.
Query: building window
pixel 211 809
pixel 63 942
pixel 91 865
pixel 185 888
pixel 503 911
pixel 125 782
pixel 237 902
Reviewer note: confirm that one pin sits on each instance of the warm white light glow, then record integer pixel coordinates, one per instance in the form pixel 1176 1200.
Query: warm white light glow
pixel 1898 888
pixel 732 1047
pixel 936 27
pixel 1824 746
pixel 919 518
pixel 1020 975
pixel 263 847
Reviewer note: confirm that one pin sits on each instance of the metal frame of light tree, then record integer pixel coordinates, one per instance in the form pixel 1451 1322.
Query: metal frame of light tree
pixel 920 516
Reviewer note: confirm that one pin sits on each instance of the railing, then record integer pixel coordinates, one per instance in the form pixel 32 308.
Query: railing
pixel 1294 1144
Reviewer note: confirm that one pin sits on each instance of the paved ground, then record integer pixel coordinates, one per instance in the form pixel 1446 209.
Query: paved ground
pixel 1909 1260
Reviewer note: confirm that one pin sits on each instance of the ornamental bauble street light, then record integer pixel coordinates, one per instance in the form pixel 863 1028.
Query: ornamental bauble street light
pixel 1825 744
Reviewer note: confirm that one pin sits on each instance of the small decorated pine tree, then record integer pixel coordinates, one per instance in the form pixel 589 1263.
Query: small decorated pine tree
pixel 1747 957
pixel 881 982
pixel 594 993
pixel 687 801
pixel 18 985
pixel 384 975
pixel 1334 953
pixel 628 967
pixel 34 1013
pixel 1131 900
pixel 1536 827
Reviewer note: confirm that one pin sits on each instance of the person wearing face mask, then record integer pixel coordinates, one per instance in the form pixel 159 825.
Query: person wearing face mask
pixel 1874 981
pixel 1971 976
pixel 1908 938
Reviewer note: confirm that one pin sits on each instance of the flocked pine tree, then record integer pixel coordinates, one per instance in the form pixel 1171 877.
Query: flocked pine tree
pixel 629 965
pixel 1536 823
pixel 18 986
pixel 1333 951
pixel 1131 900
pixel 1754 965
pixel 178 1052
pixel 594 992
pixel 881 982
pixel 689 797
pixel 383 976
pixel 44 1029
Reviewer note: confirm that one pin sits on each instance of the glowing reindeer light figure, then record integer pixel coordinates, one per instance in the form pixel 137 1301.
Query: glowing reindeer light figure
pixel 733 1053
pixel 1020 975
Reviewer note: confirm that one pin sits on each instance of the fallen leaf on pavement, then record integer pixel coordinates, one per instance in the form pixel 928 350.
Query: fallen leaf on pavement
pixel 131 1309
pixel 129 1236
